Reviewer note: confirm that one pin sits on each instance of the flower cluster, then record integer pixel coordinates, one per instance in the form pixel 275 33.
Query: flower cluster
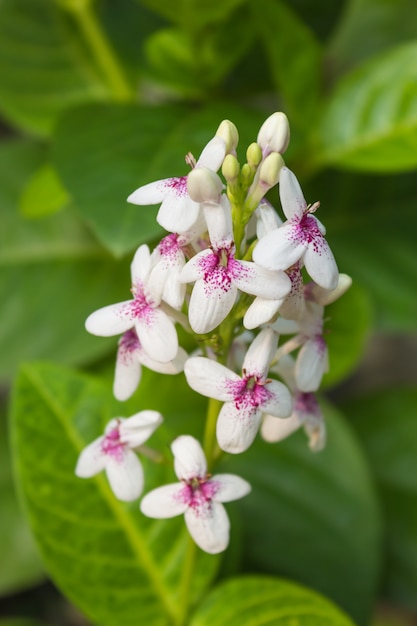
pixel 237 278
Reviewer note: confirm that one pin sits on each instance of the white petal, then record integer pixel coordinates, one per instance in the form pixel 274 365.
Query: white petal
pixel 92 460
pixel 113 319
pixel 137 429
pixel 276 429
pixel 177 214
pixel 326 296
pixel 279 404
pixel 170 367
pixel 261 311
pixel 260 353
pixel 320 263
pixel 210 378
pixel 213 154
pixel 285 368
pixel 231 487
pixel 211 301
pixel 316 432
pixel 158 336
pixel 218 220
pixel 127 374
pixel 152 193
pixel 292 198
pixel 189 459
pixel 311 364
pixel 259 281
pixel 164 502
pixel 286 327
pixel 126 476
pixel 209 527
pixel 140 265
pixel 281 248
pixel 237 427
pixel 267 219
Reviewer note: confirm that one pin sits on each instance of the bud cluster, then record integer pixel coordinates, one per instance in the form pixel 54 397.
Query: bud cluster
pixel 236 277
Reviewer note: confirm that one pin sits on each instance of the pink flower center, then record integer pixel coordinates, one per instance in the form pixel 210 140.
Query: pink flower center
pixel 249 393
pixel 112 446
pixel 178 185
pixel 169 246
pixel 197 493
pixel 305 403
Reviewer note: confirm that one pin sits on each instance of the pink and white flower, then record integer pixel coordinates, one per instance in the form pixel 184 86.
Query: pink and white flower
pixel 301 237
pixel 245 397
pixel 154 327
pixel 113 452
pixel 130 358
pixel 198 496
pixel 178 213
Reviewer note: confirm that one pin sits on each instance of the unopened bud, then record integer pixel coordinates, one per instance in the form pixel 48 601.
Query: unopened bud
pixel 327 296
pixel 254 155
pixel 230 168
pixel 274 134
pixel 204 185
pixel 228 132
pixel 270 169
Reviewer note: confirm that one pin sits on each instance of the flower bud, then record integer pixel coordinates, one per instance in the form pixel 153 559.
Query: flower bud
pixel 228 132
pixel 254 155
pixel 274 134
pixel 230 168
pixel 204 185
pixel 327 296
pixel 270 169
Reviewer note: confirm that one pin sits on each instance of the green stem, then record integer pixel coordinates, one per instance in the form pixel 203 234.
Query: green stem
pixel 210 443
pixel 101 49
pixel 185 585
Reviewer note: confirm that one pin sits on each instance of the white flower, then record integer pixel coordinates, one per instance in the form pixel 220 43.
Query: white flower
pixel 113 452
pixel 218 275
pixel 130 358
pixel 245 397
pixel 198 496
pixel 178 212
pixel 306 413
pixel 155 329
pixel 301 237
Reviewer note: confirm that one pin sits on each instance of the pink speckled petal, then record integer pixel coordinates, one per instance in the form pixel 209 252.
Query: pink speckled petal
pixel 230 487
pixel 276 429
pixel 210 378
pixel 195 268
pixel 213 154
pixel 113 319
pixel 92 460
pixel 178 214
pixel 290 192
pixel 158 336
pixel 279 404
pixel 152 193
pixel 210 303
pixel 125 477
pixel 281 248
pixel 320 264
pixel 209 527
pixel 237 427
pixel 312 362
pixel 259 281
pixel 189 459
pixel 164 502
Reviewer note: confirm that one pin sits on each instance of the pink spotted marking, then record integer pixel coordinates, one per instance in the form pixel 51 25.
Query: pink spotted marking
pixel 177 185
pixel 169 246
pixel 112 446
pixel 197 493
pixel 305 403
pixel 249 393
pixel 305 231
pixel 128 345
pixel 140 308
pixel 220 269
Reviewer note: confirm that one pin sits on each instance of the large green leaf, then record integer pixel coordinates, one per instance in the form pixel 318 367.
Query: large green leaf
pixel 370 123
pixel 266 601
pixel 20 566
pixel 193 15
pixel 53 275
pixel 386 424
pixel 314 516
pixel 104 152
pixel 44 68
pixel 294 57
pixel 371 224
pixel 116 565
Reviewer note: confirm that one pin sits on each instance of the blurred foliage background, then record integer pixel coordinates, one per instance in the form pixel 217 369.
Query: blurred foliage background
pixel 97 98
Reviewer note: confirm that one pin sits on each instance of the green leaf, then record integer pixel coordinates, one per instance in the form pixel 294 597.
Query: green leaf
pixel 371 224
pixel 313 516
pixel 370 123
pixel 44 67
pixel 104 152
pixel 266 601
pixel 44 194
pixel 294 57
pixel 53 275
pixel 118 566
pixel 20 566
pixel 347 329
pixel 386 424
pixel 369 27
pixel 192 15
